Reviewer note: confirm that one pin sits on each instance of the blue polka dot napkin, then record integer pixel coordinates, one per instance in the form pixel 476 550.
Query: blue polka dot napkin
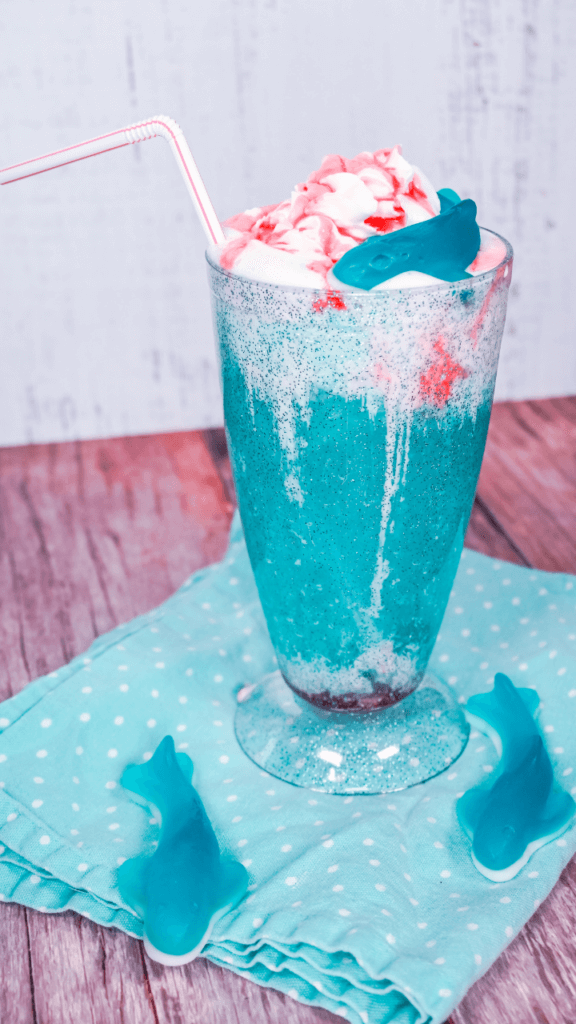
pixel 368 906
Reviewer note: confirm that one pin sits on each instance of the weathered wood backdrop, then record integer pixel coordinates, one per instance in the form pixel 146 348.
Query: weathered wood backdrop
pixel 104 319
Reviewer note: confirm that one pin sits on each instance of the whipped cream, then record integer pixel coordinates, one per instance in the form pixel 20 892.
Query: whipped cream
pixel 297 242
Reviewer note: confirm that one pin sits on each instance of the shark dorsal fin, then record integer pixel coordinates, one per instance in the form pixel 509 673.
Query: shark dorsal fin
pixel 131 878
pixel 185 765
pixel 470 807
pixel 530 698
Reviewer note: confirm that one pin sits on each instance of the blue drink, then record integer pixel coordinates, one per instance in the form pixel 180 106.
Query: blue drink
pixel 356 424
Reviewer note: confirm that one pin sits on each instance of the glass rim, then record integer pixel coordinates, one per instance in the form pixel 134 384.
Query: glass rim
pixel 361 293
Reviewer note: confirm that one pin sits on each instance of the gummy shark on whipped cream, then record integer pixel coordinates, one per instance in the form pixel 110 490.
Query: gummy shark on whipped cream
pixel 315 238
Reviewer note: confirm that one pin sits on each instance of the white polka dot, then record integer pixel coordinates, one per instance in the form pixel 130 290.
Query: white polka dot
pixel 233 581
pixel 151 723
pixel 509 931
pixel 86 689
pixel 368 842
pixel 4 723
pixel 36 804
pixel 407 877
pixel 75 807
pixel 344 913
pixel 472 927
pixel 445 992
pixel 124 688
pixel 159 664
pixel 422 924
pixel 257 922
pixel 154 693
pixel 122 668
pixel 44 840
pixel 146 755
pixel 38 779
pixel 84 717
pixel 332 868
pixel 110 810
pixel 110 785
pixel 328 843
pixel 533 874
pixel 560 842
pixel 522 667
pixel 337 888
pixel 41 753
pixel 439 845
pixel 79 750
pixel 291 880
pixel 391 939
pixel 236 819
pixel 548 728
pixel 112 752
pixel 231 798
pixel 445 874
pixel 82 867
pixel 218 679
pixel 380 887
pixel 113 826
pixel 477 959
pixel 374 863
pixel 46 723
pixel 35 879
pixel 118 720
pixel 286 848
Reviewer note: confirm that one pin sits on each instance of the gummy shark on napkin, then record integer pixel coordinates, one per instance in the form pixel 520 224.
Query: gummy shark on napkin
pixel 185 886
pixel 523 809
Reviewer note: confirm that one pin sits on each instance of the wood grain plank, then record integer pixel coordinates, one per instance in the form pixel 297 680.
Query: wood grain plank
pixel 221 997
pixel 82 972
pixel 17 1004
pixel 95 532
pixel 528 479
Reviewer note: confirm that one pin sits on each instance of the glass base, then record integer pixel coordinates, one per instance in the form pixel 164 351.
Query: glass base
pixel 330 752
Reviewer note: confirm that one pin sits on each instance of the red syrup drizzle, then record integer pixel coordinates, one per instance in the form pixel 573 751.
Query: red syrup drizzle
pixel 332 298
pixel 485 305
pixel 436 383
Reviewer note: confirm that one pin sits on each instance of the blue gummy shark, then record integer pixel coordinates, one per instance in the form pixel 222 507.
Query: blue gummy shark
pixel 442 247
pixel 523 809
pixel 184 886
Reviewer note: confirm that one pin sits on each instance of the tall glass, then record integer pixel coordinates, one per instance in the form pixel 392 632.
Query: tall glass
pixel 356 424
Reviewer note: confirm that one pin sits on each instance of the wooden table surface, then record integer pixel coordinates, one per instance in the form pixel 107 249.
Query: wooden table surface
pixel 93 533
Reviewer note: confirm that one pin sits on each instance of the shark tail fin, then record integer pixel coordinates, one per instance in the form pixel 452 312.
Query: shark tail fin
pixel 234 882
pixel 161 771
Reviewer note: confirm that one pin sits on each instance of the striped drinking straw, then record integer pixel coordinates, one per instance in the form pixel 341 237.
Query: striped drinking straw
pixel 149 129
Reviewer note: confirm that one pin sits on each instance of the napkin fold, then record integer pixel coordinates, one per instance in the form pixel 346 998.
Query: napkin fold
pixel 368 905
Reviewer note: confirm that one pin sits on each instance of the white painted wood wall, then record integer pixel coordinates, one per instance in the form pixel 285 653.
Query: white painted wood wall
pixel 104 314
